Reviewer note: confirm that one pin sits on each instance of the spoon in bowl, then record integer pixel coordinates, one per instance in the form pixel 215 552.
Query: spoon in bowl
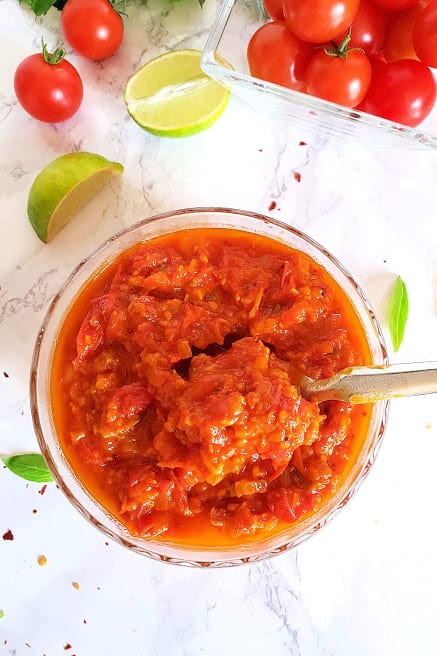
pixel 374 383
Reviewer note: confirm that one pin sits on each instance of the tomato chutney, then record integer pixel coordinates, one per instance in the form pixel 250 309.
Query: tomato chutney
pixel 175 387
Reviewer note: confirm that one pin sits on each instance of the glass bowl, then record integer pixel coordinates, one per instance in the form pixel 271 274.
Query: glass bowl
pixel 42 415
pixel 316 120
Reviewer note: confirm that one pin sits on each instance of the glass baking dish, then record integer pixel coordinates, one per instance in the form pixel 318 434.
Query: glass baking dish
pixel 317 121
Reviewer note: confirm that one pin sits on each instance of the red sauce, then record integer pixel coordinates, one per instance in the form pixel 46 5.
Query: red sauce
pixel 174 387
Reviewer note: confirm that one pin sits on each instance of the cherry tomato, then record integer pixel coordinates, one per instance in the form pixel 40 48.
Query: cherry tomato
pixel 276 55
pixel 48 87
pixel 403 91
pixel 274 9
pixel 395 5
pixel 92 27
pixel 367 28
pixel 425 35
pixel 376 62
pixel 319 21
pixel 398 43
pixel 343 79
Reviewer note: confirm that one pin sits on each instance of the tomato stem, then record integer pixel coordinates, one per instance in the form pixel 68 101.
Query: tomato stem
pixel 336 50
pixel 54 57
pixel 342 48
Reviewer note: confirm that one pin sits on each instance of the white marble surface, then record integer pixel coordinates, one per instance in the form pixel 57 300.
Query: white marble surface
pixel 366 584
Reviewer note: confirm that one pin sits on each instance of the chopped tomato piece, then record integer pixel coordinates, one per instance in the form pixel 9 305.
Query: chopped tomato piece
pixel 175 387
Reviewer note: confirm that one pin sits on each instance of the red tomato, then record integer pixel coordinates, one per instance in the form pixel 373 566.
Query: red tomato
pixel 376 62
pixel 367 29
pixel 395 5
pixel 403 91
pixel 92 27
pixel 425 35
pixel 398 43
pixel 48 87
pixel 319 21
pixel 340 79
pixel 274 9
pixel 277 56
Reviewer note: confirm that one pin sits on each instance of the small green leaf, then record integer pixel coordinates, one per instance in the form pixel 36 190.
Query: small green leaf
pixel 39 7
pixel 398 313
pixel 30 466
pixel 2 613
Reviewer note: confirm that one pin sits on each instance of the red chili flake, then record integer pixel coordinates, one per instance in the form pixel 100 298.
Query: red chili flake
pixel 5 374
pixel 8 535
pixel 107 544
pixel 303 143
pixel 272 205
pixel 42 490
pixel 75 585
pixel 67 646
pixel 27 644
pixel 42 560
pixel 84 621
pixel 297 176
pixel 34 511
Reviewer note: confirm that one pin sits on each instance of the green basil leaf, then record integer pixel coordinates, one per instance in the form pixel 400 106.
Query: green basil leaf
pixel 398 313
pixel 39 7
pixel 30 466
pixel 2 613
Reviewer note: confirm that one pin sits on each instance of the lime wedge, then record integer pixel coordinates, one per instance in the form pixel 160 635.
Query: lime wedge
pixel 63 187
pixel 171 96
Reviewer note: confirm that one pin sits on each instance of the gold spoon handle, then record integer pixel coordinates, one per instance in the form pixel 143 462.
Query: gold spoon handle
pixel 367 384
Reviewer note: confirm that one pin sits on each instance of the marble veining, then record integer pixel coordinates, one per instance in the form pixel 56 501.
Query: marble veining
pixel 35 298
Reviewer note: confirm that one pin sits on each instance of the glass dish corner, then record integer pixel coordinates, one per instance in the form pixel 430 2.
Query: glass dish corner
pixel 317 121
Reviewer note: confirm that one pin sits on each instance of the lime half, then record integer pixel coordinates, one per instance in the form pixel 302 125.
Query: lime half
pixel 63 187
pixel 171 96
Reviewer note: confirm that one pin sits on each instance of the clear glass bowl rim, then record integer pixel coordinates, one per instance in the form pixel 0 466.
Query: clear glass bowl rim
pixel 40 398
